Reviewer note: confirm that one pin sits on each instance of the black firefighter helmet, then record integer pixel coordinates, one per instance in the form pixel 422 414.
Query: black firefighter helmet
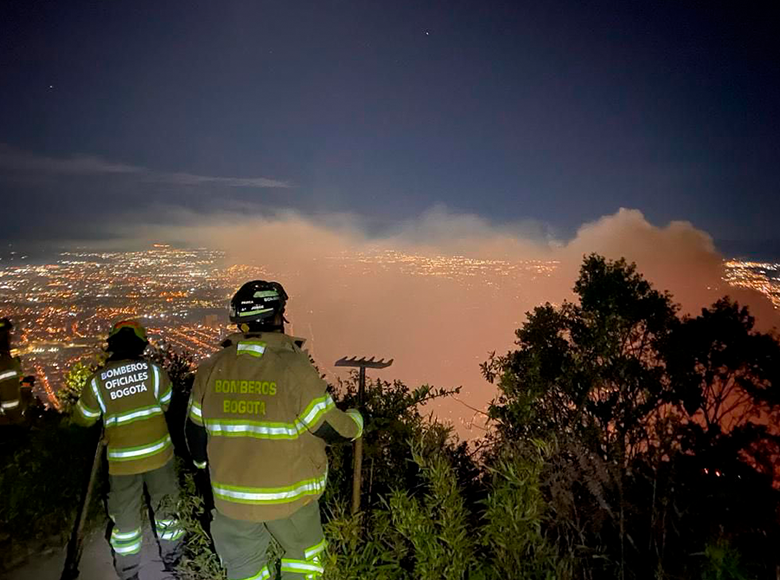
pixel 258 302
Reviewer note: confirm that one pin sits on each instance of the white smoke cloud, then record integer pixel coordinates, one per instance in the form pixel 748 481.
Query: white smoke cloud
pixel 435 311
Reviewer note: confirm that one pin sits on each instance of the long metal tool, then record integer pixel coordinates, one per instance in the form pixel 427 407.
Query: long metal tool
pixel 76 542
pixel 362 364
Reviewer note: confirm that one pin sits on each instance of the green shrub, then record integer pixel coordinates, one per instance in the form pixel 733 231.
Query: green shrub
pixel 722 562
pixel 436 530
pixel 512 534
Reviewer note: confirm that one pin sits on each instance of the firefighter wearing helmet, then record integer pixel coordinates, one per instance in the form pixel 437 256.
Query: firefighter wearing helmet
pixel 131 395
pixel 259 419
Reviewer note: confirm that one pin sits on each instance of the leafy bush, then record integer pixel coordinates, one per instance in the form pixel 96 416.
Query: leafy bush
pixel 429 532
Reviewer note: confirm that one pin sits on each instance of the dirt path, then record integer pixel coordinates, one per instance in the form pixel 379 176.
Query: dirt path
pixel 96 563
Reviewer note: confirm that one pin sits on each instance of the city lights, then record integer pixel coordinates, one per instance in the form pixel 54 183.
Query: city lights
pixel 63 310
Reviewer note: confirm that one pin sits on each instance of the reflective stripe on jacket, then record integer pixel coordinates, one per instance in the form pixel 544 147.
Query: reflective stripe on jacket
pixel 131 396
pixel 11 406
pixel 260 400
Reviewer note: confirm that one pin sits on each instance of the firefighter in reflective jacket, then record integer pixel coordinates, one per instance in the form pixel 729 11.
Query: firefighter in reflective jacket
pixel 131 394
pixel 12 401
pixel 259 419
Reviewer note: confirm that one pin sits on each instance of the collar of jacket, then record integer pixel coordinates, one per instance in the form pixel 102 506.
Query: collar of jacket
pixel 270 338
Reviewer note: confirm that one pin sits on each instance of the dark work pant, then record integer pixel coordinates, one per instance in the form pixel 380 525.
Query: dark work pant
pixel 125 498
pixel 242 545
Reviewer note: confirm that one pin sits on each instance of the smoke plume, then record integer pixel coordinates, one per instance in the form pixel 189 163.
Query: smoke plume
pixel 442 292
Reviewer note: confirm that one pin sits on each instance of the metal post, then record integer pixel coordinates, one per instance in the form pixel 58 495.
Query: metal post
pixel 357 472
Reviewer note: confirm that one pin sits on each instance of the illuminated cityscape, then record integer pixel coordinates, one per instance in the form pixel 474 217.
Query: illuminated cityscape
pixel 62 310
pixel 763 277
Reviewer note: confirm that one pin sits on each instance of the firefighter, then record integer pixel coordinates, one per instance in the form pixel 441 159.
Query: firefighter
pixel 12 402
pixel 258 420
pixel 131 394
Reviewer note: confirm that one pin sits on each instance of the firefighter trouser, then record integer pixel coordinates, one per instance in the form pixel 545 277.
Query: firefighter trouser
pixel 125 498
pixel 242 545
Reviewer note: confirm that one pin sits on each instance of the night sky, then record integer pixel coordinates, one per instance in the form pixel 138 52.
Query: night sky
pixel 556 113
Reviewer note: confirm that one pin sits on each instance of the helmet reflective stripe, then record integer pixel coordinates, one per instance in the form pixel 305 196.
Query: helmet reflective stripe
pixel 266 294
pixel 255 348
pixel 258 301
pixel 10 404
pixel 96 391
pixel 316 549
pixel 273 495
pixel 156 374
pixel 255 312
pixel 301 566
pixel 316 409
pixel 86 411
pixel 256 429
pixel 132 416
pixel 8 374
pixel 129 453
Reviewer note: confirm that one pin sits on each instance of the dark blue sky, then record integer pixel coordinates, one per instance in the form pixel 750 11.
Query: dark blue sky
pixel 558 112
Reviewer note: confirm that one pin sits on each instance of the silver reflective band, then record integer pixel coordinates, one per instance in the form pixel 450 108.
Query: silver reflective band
pixel 272 432
pixel 316 549
pixel 171 535
pixel 156 381
pixel 126 535
pixel 8 374
pixel 137 452
pixel 167 396
pixel 125 417
pixel 309 487
pixel 133 548
pixel 356 417
pixel 300 566
pixel 88 413
pixel 10 404
pixel 312 416
pixel 245 347
pixel 96 391
pixel 200 465
pixel 263 574
pixel 196 410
